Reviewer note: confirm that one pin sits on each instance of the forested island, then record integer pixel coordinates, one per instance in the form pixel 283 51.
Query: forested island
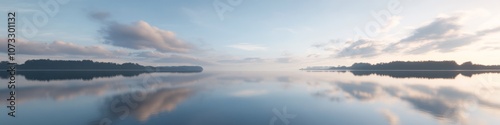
pixel 409 69
pixel 410 65
pixel 89 65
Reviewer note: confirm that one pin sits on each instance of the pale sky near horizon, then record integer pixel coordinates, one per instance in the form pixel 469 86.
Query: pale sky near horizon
pixel 256 35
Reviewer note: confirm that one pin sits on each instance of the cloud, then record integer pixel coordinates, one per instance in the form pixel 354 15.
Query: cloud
pixel 443 35
pixel 249 93
pixel 438 29
pixel 163 45
pixel 61 48
pixel 360 48
pixel 489 48
pixel 99 15
pixel 285 60
pixel 332 45
pixel 452 44
pixel 143 36
pixel 488 31
pixel 392 22
pixel 313 56
pixel 245 60
pixel 248 47
pixel 171 58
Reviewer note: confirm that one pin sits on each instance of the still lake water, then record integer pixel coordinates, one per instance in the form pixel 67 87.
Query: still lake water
pixel 253 98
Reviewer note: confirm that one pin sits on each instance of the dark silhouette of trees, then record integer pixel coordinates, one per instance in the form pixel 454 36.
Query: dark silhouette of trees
pixel 89 65
pixel 76 64
pixel 413 69
pixel 418 65
pixel 442 74
pixel 46 70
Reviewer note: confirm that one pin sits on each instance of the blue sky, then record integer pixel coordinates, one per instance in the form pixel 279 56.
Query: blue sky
pixel 259 35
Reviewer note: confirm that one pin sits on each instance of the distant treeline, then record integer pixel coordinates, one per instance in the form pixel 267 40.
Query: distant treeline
pixel 46 64
pixel 437 74
pixel 71 75
pixel 412 65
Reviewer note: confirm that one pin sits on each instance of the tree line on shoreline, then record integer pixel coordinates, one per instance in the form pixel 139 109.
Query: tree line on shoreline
pixel 47 64
pixel 411 65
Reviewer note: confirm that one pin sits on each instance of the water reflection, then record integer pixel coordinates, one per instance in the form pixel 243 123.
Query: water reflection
pixel 250 97
pixel 55 92
pixel 68 89
pixel 414 74
pixel 72 75
pixel 142 105
pixel 440 102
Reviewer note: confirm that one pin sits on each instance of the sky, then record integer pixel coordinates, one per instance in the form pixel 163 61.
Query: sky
pixel 254 34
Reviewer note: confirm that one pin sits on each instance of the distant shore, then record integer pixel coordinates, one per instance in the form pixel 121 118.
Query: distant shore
pixel 89 65
pixel 411 66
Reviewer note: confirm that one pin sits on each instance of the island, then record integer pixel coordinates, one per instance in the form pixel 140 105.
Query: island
pixel 410 65
pixel 89 65
pixel 47 70
pixel 412 69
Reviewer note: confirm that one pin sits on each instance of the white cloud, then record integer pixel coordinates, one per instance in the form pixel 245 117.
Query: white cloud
pixel 444 34
pixel 248 93
pixel 142 36
pixel 360 48
pixel 58 48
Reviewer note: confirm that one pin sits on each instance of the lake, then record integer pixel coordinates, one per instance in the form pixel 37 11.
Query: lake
pixel 253 98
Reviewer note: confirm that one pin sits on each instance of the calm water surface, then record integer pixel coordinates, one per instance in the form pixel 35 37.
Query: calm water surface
pixel 253 98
